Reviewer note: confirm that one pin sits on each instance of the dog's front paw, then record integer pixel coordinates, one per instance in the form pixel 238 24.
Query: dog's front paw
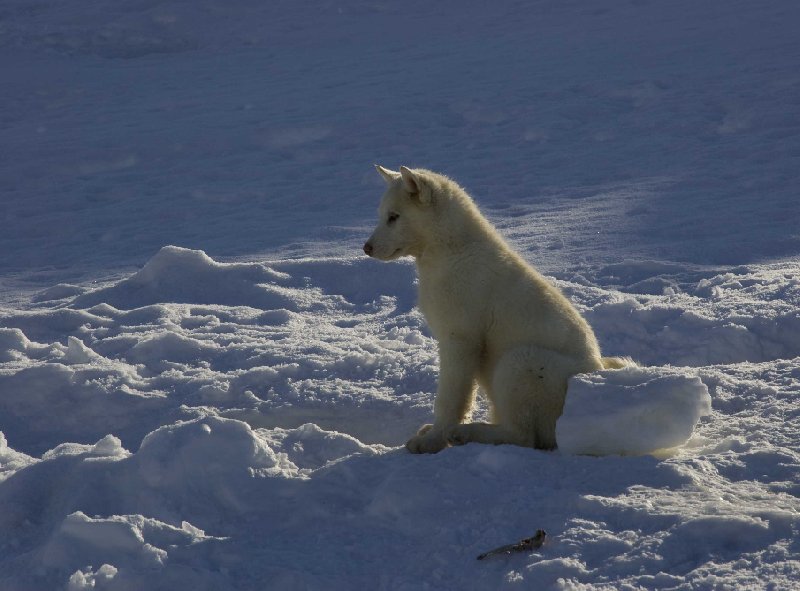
pixel 428 443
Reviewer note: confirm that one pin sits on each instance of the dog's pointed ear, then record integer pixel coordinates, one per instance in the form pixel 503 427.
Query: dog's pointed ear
pixel 416 184
pixel 388 175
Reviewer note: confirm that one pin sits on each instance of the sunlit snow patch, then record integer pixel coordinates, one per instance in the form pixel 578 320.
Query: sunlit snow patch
pixel 632 411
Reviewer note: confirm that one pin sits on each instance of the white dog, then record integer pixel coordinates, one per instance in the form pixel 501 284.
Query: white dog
pixel 499 324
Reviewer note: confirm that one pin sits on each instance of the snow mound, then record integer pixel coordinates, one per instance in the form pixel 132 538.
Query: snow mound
pixel 631 411
pixel 181 275
pixel 214 444
pixel 108 447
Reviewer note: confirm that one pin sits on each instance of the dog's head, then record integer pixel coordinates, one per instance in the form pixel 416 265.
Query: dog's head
pixel 402 215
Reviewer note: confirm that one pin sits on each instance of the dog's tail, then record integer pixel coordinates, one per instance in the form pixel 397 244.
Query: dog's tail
pixel 617 362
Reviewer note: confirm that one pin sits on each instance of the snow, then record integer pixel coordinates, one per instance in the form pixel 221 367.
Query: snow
pixel 631 411
pixel 205 385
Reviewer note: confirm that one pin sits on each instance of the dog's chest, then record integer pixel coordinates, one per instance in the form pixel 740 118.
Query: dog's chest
pixel 447 303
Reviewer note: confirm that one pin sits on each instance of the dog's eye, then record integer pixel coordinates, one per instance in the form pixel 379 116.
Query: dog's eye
pixel 392 218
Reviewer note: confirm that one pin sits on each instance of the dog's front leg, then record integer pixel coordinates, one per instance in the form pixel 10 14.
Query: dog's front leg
pixel 458 362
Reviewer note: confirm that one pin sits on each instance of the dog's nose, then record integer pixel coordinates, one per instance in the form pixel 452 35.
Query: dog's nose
pixel 368 249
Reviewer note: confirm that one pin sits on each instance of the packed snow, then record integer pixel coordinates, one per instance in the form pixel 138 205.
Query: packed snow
pixel 205 385
pixel 631 411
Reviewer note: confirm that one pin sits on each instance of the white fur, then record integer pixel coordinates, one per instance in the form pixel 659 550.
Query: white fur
pixel 499 324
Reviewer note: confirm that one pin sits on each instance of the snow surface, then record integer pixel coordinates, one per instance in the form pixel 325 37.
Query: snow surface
pixel 204 385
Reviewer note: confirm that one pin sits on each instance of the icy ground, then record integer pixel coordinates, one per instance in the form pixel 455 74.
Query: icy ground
pixel 204 386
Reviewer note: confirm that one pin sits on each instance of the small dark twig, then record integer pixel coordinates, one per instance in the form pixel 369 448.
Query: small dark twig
pixel 522 546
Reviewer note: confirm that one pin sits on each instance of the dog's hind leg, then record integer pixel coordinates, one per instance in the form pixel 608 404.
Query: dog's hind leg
pixel 528 390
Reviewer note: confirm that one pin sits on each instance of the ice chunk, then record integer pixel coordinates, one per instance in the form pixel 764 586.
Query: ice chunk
pixel 632 411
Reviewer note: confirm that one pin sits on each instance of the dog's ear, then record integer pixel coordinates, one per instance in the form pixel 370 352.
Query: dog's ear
pixel 416 184
pixel 388 175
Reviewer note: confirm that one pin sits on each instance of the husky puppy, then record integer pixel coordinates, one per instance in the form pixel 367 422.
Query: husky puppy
pixel 499 323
